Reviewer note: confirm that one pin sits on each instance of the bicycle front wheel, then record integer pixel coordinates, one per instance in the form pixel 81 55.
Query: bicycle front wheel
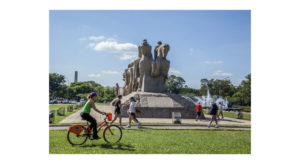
pixel 112 134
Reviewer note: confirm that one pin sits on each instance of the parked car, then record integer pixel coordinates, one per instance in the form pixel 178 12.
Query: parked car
pixel 53 101
pixel 65 102
pixel 82 102
pixel 73 102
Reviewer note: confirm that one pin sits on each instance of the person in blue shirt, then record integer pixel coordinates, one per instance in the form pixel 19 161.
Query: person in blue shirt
pixel 214 114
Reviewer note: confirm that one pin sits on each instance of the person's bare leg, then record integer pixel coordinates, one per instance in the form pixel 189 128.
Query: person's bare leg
pixel 120 119
pixel 216 122
pixel 130 120
pixel 115 118
pixel 137 121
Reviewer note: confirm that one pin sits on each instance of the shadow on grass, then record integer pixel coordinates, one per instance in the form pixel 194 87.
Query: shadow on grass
pixel 119 146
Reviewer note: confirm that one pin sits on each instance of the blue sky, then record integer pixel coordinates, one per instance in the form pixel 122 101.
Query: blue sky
pixel 100 44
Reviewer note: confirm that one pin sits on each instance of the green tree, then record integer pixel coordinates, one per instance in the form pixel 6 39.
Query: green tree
pixel 55 84
pixel 174 83
pixel 222 88
pixel 190 92
pixel 78 90
pixel 245 90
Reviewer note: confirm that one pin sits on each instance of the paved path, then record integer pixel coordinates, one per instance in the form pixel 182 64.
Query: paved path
pixel 65 127
pixel 75 118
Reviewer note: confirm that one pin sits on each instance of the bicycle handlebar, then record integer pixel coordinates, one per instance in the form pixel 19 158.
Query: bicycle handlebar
pixel 105 116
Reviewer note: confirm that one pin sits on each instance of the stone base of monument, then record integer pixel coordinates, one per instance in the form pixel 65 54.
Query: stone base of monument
pixel 160 105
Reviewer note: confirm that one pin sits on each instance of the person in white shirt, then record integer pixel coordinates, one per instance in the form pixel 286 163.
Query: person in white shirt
pixel 131 112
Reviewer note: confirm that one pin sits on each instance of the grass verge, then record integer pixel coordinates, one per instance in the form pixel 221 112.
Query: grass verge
pixel 159 142
pixel 246 116
pixel 57 117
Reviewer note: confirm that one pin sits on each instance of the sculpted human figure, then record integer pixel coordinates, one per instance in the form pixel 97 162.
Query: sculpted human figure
pixel 161 65
pixel 145 74
pixel 131 80
pixel 145 62
pixel 126 76
pixel 117 89
pixel 156 49
pixel 135 75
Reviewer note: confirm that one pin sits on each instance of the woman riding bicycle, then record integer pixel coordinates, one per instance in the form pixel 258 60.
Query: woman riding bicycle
pixel 85 114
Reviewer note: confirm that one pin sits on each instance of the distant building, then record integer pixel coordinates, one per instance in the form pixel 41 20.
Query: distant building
pixel 76 76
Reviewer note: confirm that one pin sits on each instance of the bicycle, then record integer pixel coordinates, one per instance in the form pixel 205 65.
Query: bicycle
pixel 78 134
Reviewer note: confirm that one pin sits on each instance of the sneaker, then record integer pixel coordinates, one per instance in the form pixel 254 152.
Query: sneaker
pixel 96 137
pixel 128 126
pixel 208 126
pixel 139 125
pixel 216 126
pixel 196 120
pixel 121 127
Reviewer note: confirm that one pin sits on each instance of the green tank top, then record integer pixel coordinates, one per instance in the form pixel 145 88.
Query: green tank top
pixel 87 108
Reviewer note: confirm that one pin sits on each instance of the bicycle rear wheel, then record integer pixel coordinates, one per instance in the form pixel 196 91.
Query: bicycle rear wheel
pixel 112 134
pixel 78 139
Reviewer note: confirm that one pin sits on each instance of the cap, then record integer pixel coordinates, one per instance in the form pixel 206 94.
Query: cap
pixel 93 94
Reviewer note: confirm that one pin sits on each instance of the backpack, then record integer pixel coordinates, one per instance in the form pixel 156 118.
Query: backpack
pixel 114 102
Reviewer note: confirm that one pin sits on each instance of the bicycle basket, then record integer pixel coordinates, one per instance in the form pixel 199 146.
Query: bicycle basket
pixel 109 116
pixel 76 129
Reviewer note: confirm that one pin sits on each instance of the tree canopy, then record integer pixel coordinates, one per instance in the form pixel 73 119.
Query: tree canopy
pixel 78 90
pixel 56 82
pixel 240 95
pixel 174 83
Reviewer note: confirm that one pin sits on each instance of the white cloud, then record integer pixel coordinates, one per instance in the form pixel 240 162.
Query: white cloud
pixel 127 51
pixel 95 75
pixel 221 73
pixel 128 56
pixel 174 71
pixel 110 72
pixel 213 62
pixel 115 47
pixel 96 38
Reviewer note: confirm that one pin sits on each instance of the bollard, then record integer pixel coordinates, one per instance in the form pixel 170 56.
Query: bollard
pixel 176 117
pixel 51 116
pixel 239 114
pixel 70 108
pixel 61 111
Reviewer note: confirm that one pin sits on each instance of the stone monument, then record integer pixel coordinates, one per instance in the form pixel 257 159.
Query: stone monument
pixel 144 80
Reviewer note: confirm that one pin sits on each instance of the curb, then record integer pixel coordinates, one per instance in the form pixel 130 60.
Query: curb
pixel 157 125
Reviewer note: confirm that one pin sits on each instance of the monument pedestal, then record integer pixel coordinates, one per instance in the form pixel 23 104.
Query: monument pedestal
pixel 160 105
pixel 153 84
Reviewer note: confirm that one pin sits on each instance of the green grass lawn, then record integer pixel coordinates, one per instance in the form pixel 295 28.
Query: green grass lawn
pixel 57 117
pixel 247 116
pixel 139 141
pixel 56 106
